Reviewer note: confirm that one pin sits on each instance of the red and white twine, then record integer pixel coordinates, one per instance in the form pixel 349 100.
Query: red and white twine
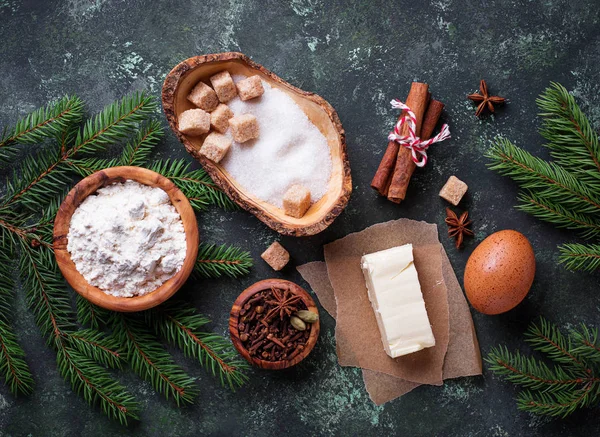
pixel 418 147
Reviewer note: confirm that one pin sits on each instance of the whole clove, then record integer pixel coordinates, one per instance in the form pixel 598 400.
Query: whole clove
pixel 266 325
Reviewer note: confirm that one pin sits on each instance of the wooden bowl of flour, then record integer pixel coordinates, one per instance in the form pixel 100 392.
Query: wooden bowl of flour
pixel 321 214
pixel 89 186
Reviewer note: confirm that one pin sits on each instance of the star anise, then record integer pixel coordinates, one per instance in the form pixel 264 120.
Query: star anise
pixel 283 303
pixel 458 226
pixel 484 100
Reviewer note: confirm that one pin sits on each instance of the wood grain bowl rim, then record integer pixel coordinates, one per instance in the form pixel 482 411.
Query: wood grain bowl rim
pixel 251 291
pixel 169 90
pixel 90 185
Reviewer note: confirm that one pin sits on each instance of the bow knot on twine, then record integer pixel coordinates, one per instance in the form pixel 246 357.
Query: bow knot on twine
pixel 416 145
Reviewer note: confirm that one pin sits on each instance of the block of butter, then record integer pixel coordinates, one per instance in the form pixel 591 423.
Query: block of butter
pixel 395 294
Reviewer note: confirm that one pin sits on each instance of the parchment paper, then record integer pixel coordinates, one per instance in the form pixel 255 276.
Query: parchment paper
pixel 462 357
pixel 355 317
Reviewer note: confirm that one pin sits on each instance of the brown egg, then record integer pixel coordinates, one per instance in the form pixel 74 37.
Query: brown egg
pixel 499 272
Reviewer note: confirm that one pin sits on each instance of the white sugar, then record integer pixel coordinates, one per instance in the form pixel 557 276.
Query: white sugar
pixel 290 149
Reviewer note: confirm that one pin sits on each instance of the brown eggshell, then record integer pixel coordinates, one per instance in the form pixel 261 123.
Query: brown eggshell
pixel 499 272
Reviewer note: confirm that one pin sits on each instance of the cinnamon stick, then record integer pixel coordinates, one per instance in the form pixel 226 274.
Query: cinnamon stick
pixel 383 176
pixel 417 101
pixel 430 120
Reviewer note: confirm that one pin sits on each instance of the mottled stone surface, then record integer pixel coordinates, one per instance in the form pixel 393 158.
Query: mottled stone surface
pixel 358 55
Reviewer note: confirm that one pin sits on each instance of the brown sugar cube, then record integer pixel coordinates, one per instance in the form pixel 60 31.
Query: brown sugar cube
pixel 194 122
pixel 215 146
pixel 250 88
pixel 219 118
pixel 296 201
pixel 276 256
pixel 224 86
pixel 454 190
pixel 204 97
pixel 244 127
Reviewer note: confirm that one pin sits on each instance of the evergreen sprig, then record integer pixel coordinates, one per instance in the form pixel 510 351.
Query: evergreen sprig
pixel 180 325
pixel 573 382
pixel 565 192
pixel 215 261
pixel 40 125
pixel 151 361
pixel 13 367
pixel 197 185
pixel 28 207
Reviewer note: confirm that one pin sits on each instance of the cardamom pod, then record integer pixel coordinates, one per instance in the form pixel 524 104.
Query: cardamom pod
pixel 307 316
pixel 297 323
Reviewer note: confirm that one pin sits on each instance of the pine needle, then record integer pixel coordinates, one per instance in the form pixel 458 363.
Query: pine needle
pixel 182 326
pixel 565 192
pixel 96 385
pixel 13 367
pixel 197 185
pixel 571 138
pixel 151 362
pixel 546 179
pixel 558 391
pixel 90 315
pixel 215 261
pixel 137 151
pixel 41 124
pixel 584 257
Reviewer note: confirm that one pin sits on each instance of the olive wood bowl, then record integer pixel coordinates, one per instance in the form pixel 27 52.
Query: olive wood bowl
pixel 90 185
pixel 235 315
pixel 321 214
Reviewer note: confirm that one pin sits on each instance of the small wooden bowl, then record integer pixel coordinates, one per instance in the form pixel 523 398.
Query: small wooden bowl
pixel 235 315
pixel 188 73
pixel 90 185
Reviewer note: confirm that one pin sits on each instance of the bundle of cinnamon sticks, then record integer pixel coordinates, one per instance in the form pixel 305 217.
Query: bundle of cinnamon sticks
pixel 396 167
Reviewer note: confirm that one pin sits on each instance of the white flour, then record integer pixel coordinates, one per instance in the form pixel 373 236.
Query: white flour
pixel 290 149
pixel 128 239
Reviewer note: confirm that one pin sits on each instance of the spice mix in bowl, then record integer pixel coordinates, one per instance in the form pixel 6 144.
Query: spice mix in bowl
pixel 274 324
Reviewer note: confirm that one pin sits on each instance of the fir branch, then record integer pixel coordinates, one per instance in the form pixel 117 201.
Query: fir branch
pixel 96 346
pixel 41 124
pixel 182 326
pixel 197 185
pixel 90 315
pixel 46 292
pixel 586 344
pixel 13 367
pixel 558 215
pixel 575 256
pixel 547 338
pixel 571 138
pixel 51 307
pixel 40 179
pixel 46 175
pixel 530 373
pixel 558 406
pixel 151 362
pixel 215 261
pixel 137 151
pixel 113 123
pixel 96 385
pixel 573 383
pixel 546 179
pixel 87 166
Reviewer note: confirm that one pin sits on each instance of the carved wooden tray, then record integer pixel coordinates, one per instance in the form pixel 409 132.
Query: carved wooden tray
pixel 188 73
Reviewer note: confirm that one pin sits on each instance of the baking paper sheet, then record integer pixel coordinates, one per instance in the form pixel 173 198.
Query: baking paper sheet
pixel 462 357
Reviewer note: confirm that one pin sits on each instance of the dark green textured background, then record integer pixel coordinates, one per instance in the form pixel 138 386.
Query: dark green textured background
pixel 357 55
